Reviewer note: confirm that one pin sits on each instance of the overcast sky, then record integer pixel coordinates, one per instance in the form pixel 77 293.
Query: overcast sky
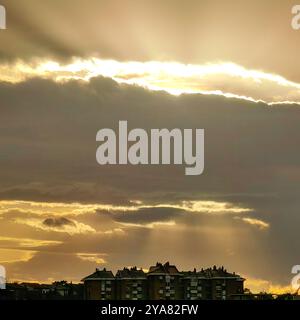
pixel 61 214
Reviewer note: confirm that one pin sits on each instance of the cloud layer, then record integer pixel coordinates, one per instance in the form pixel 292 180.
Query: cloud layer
pixel 225 79
pixel 242 212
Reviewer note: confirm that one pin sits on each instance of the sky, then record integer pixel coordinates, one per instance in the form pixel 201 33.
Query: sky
pixel 68 69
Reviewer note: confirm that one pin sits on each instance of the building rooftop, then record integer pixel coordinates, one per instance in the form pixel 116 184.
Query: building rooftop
pixel 160 268
pixel 132 273
pixel 99 275
pixel 220 272
pixel 214 272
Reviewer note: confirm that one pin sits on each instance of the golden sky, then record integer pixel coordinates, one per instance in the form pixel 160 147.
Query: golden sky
pixel 69 68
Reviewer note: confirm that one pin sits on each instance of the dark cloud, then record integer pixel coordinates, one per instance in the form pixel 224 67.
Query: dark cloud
pixel 57 222
pixel 148 215
pixel 250 148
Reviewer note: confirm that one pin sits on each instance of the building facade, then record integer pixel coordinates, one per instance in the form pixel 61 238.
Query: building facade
pixel 100 285
pixel 164 282
pixel 224 285
pixel 131 284
pixel 195 285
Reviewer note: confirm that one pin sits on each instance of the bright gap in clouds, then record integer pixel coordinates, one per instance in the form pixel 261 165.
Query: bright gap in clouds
pixel 226 79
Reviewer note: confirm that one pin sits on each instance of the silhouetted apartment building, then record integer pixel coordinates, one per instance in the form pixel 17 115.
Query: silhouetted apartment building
pixel 100 285
pixel 131 284
pixel 224 284
pixel 163 282
pixel 195 285
pixel 211 284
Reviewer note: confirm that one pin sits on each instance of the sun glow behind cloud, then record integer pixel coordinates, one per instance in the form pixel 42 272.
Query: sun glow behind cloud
pixel 256 222
pixel 226 79
pixel 262 285
pixel 74 209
